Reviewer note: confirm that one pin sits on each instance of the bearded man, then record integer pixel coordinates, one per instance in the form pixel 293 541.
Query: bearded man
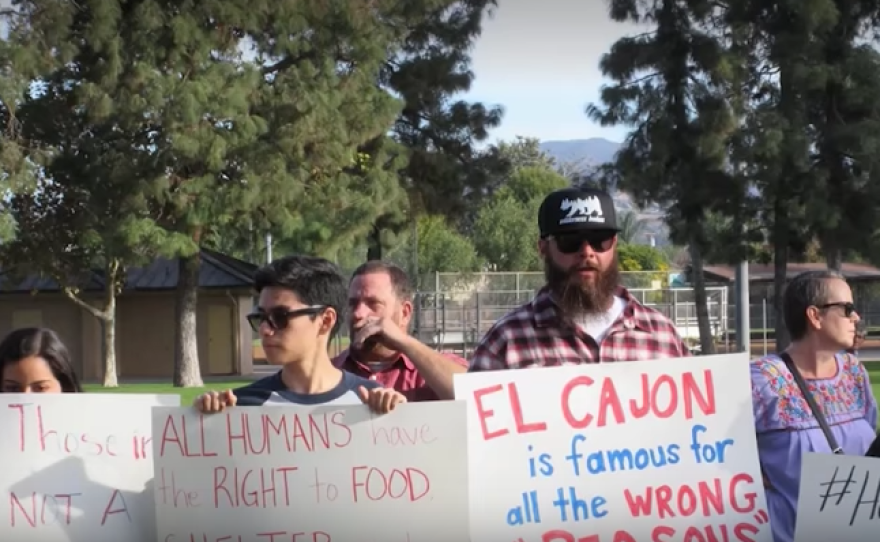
pixel 582 315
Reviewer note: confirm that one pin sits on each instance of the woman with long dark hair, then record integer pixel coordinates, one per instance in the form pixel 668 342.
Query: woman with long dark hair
pixel 35 360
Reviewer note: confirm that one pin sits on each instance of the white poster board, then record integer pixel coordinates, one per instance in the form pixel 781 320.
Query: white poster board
pixel 839 498
pixel 77 467
pixel 312 474
pixel 653 450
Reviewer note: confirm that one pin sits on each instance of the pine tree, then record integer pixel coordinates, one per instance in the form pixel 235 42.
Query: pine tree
pixel 782 54
pixel 671 87
pixel 446 174
pixel 214 139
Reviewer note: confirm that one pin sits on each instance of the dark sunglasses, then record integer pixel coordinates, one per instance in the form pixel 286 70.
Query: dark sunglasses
pixel 848 308
pixel 569 243
pixel 279 317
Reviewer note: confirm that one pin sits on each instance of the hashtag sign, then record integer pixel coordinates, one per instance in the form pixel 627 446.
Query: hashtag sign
pixel 841 485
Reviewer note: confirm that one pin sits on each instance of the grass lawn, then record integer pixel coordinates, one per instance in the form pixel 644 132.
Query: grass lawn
pixel 874 374
pixel 186 394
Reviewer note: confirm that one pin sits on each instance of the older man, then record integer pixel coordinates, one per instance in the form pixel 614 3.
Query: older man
pixel 582 315
pixel 380 300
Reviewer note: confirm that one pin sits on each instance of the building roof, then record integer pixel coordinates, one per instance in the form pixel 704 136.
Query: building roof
pixel 765 272
pixel 217 271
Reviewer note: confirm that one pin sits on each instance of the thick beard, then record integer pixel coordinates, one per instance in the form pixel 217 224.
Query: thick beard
pixel 578 296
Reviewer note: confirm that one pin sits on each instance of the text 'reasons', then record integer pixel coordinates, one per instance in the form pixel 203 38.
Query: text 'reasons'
pixel 292 472
pixel 658 450
pixel 80 466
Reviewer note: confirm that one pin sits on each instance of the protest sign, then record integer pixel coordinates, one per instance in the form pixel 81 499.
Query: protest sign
pixel 77 467
pixel 839 498
pixel 312 474
pixel 643 451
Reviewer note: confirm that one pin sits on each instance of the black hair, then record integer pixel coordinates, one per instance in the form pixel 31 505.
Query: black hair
pixel 315 281
pixel 809 289
pixel 44 343
pixel 399 279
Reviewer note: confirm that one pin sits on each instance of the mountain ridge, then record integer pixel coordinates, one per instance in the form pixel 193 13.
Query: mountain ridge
pixel 583 154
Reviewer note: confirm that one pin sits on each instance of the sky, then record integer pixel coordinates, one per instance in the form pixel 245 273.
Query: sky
pixel 540 60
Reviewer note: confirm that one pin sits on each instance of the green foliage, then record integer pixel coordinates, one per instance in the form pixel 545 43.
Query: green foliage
pixel 442 249
pixel 529 183
pixel 506 235
pixel 505 232
pixel 524 152
pixel 631 226
pixel 641 258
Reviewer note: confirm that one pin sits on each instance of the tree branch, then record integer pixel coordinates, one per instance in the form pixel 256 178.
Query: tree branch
pixel 71 295
pixel 289 61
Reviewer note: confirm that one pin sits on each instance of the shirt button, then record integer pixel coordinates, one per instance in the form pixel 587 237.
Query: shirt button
pixel 372 377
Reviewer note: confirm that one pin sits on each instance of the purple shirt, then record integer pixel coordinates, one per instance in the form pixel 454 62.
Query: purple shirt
pixel 787 429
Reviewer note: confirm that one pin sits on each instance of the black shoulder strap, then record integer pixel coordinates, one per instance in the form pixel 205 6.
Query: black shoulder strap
pixel 817 412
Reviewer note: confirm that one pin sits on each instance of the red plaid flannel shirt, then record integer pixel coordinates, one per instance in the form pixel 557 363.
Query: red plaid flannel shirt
pixel 534 335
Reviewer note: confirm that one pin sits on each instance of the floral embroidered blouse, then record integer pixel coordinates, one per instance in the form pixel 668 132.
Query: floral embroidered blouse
pixel 786 427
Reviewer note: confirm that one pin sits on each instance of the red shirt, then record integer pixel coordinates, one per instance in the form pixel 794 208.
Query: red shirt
pixel 401 376
pixel 534 335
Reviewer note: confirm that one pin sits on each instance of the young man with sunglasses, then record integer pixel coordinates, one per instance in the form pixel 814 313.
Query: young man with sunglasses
pixel 582 315
pixel 301 307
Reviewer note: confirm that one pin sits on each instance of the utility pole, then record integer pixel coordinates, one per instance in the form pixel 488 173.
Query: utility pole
pixel 743 329
pixel 268 248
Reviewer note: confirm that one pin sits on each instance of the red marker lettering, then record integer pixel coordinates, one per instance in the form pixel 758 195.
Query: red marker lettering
pixel 337 419
pixel 687 390
pixel 169 434
pixel 409 484
pixel 43 434
pixel 401 436
pixel 516 409
pixel 109 510
pixel 21 432
pixel 202 438
pixel 252 488
pixel 53 509
pixel 706 499
pixel 175 496
pixel 486 413
pixel 561 535
pixel 742 532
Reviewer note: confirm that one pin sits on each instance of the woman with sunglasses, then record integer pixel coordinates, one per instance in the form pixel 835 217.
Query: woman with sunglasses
pixel 835 413
pixel 301 304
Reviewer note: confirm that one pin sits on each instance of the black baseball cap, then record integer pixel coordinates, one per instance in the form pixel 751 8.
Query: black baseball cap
pixel 577 210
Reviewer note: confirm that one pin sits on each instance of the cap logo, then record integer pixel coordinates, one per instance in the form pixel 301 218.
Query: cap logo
pixel 587 209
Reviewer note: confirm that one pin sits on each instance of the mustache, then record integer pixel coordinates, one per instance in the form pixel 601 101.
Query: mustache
pixel 585 267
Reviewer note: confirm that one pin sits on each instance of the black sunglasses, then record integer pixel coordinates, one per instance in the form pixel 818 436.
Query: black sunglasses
pixel 848 308
pixel 279 317
pixel 569 243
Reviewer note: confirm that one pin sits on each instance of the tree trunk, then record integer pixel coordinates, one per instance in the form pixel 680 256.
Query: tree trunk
pixel 833 255
pixel 374 243
pixel 187 373
pixel 113 277
pixel 108 321
pixel 780 273
pixel 707 340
